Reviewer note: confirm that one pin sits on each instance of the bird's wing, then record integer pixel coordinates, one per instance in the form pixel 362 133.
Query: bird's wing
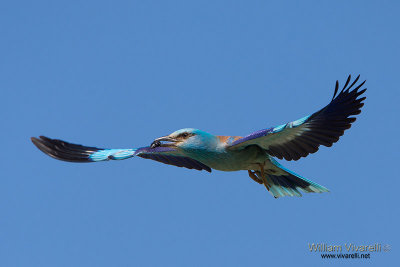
pixel 62 150
pixel 299 138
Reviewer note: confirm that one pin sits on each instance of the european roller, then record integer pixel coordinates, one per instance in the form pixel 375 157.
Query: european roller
pixel 254 153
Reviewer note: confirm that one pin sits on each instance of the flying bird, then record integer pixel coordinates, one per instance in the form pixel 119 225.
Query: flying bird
pixel 254 153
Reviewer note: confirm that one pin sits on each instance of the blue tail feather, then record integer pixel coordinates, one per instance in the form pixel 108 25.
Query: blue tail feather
pixel 287 183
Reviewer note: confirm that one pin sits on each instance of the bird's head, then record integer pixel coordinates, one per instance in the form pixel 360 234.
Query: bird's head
pixel 186 139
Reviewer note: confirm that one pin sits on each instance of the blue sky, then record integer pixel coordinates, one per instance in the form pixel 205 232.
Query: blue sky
pixel 120 73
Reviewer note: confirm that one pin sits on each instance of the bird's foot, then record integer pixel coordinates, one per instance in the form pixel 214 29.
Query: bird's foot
pixel 253 176
pixel 263 177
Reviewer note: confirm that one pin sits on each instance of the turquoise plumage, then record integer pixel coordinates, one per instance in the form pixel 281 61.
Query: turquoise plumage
pixel 196 149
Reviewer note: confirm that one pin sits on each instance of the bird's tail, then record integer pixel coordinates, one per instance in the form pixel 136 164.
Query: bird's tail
pixel 283 182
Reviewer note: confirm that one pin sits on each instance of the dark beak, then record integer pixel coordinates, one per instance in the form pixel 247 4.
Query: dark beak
pixel 157 142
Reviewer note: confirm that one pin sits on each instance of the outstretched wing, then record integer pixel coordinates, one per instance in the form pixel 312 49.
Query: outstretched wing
pixel 299 138
pixel 65 151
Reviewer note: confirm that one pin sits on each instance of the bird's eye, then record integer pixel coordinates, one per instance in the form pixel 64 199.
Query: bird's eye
pixel 185 135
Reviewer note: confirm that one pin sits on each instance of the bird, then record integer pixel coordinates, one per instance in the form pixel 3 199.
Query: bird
pixel 255 153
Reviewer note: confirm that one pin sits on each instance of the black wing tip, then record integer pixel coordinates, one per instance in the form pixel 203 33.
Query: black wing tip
pixel 62 150
pixel 346 89
pixel 39 143
pixel 41 140
pixel 34 140
pixel 209 170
